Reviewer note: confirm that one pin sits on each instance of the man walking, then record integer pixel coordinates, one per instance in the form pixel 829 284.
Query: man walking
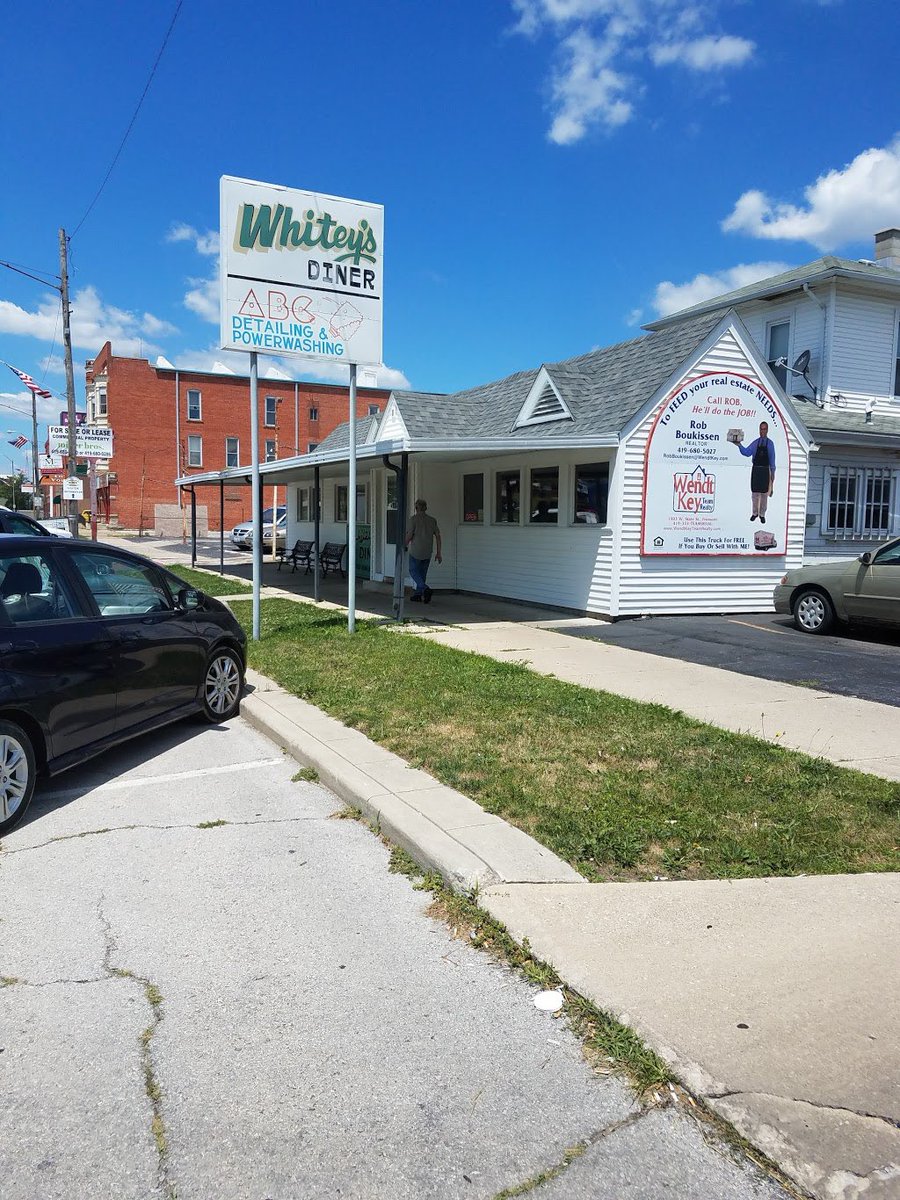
pixel 421 531
pixel 762 471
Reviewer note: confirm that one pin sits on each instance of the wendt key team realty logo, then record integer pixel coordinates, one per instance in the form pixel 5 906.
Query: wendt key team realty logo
pixel 301 273
pixel 716 471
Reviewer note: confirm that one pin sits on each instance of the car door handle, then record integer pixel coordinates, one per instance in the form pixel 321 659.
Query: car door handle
pixel 9 647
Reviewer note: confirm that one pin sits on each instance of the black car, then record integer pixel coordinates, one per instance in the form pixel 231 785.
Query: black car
pixel 98 645
pixel 16 522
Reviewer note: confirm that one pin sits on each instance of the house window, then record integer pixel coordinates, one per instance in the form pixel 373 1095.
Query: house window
pixel 779 338
pixel 303 504
pixel 591 493
pixel 101 403
pixel 473 498
pixel 271 450
pixel 194 409
pixel 195 450
pixel 314 414
pixel 232 452
pixel 374 410
pixel 271 410
pixel 506 495
pixel 340 502
pixel 543 507
pixel 897 366
pixel 860 501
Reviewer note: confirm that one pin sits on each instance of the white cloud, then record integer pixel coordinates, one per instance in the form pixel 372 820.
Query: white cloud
pixel 634 317
pixel 841 206
pixel 325 372
pixel 706 53
pixel 18 404
pixel 599 44
pixel 93 322
pixel 204 243
pixel 202 297
pixel 673 297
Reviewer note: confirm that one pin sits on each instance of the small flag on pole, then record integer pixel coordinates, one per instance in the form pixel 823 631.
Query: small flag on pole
pixel 29 383
pixel 19 442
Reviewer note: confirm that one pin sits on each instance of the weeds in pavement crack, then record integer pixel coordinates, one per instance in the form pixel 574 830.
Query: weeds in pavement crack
pixel 306 775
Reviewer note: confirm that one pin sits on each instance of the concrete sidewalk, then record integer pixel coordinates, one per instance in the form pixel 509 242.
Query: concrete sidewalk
pixel 771 998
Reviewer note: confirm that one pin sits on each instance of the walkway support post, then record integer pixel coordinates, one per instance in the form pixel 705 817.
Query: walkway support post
pixel 317 577
pixel 351 510
pixel 399 548
pixel 193 527
pixel 255 489
pixel 221 526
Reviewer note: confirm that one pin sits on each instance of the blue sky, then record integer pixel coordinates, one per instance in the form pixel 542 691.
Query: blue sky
pixel 554 172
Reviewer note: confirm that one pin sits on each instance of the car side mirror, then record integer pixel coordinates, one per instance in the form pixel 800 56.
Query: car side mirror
pixel 190 598
pixel 865 558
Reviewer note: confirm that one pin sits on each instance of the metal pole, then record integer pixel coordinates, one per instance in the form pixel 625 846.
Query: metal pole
pixel 93 485
pixel 351 510
pixel 402 504
pixel 317 590
pixel 70 374
pixel 37 499
pixel 178 444
pixel 255 488
pixel 193 527
pixel 221 526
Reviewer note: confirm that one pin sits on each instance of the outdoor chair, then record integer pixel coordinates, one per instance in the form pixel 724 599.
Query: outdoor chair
pixel 332 556
pixel 301 555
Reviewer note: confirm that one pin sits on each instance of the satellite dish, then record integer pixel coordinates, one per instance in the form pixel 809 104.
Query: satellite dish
pixel 802 363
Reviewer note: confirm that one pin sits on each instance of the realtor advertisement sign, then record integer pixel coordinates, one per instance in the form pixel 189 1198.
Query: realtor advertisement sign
pixel 717 449
pixel 301 273
pixel 91 441
pixel 50 462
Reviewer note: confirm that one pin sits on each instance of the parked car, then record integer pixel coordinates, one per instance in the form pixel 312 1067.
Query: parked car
pixel 98 645
pixel 58 526
pixel 242 535
pixel 864 589
pixel 16 522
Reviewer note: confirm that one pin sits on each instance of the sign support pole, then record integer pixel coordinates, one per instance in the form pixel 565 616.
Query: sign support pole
pixel 256 510
pixel 351 510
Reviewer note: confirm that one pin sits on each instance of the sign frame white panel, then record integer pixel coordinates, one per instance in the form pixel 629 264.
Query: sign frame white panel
pixel 697 500
pixel 91 441
pixel 73 488
pixel 301 273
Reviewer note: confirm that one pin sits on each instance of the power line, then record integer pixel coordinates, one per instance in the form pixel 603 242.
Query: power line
pixel 133 119
pixel 49 359
pixel 29 275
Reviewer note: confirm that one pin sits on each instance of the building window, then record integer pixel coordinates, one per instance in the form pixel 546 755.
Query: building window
pixel 374 410
pixel 195 450
pixel 100 409
pixel 361 505
pixel 544 504
pixel 271 411
pixel 861 502
pixel 232 452
pixel 591 493
pixel 194 409
pixel 473 498
pixel 311 446
pixel 340 502
pixel 314 414
pixel 303 504
pixel 506 509
pixel 271 450
pixel 897 366
pixel 779 341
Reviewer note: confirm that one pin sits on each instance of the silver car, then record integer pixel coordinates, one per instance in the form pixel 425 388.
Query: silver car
pixel 242 535
pixel 864 589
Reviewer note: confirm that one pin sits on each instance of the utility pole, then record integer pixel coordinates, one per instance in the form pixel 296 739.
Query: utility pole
pixel 37 497
pixel 70 374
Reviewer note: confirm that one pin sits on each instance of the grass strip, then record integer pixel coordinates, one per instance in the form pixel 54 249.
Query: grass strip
pixel 212 584
pixel 620 789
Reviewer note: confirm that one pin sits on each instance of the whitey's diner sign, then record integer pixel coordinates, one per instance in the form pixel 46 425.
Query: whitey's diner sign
pixel 716 471
pixel 301 273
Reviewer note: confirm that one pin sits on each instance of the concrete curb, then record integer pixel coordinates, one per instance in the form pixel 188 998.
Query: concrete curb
pixel 442 829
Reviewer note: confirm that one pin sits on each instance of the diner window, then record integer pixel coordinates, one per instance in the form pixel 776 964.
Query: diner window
pixel 195 450
pixel 194 406
pixel 507 498
pixel 591 493
pixel 314 414
pixel 361 505
pixel 232 452
pixel 303 507
pixel 779 339
pixel 473 498
pixel 340 502
pixel 271 410
pixel 544 502
pixel 860 502
pixel 271 450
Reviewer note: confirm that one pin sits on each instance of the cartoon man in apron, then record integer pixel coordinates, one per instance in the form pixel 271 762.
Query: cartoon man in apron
pixel 762 470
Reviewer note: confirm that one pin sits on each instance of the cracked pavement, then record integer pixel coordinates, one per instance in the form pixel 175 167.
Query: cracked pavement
pixel 259 1009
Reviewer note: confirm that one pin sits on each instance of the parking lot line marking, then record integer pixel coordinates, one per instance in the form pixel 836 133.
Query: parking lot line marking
pixel 764 628
pixel 144 780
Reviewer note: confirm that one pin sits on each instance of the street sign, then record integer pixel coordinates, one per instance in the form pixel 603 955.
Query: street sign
pixel 91 441
pixel 73 489
pixel 50 462
pixel 52 478
pixel 26 487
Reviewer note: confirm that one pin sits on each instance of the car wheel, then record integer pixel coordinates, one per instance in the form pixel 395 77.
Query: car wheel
pixel 18 770
pixel 813 612
pixel 222 686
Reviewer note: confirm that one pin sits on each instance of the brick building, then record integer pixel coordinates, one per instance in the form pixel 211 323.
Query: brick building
pixel 168 422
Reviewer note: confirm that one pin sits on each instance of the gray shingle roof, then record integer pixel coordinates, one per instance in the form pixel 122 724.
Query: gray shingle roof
pixel 786 280
pixel 339 438
pixel 838 420
pixel 603 390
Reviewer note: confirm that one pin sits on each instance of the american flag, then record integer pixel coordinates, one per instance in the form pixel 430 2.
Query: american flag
pixel 29 383
pixel 19 442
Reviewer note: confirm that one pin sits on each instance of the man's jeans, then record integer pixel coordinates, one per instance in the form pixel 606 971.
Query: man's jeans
pixel 418 568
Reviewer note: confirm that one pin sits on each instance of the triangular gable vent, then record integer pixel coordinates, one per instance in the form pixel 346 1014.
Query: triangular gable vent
pixel 543 404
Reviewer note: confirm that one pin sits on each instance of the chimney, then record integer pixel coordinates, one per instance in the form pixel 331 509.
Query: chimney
pixel 887 249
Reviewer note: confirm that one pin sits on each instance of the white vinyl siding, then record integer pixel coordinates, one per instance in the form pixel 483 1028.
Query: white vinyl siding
pixel 833 461
pixel 863 348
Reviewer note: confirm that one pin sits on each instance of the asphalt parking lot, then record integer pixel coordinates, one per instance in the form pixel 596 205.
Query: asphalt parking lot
pixel 860 661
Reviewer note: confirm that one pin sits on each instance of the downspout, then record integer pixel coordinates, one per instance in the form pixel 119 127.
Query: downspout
pixel 296 418
pixel 401 473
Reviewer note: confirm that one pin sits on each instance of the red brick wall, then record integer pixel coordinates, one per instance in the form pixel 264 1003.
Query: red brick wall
pixel 141 411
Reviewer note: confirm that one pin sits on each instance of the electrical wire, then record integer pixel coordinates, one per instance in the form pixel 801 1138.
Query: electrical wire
pixel 49 359
pixel 134 117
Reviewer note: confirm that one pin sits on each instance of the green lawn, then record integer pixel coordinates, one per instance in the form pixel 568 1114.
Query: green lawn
pixel 621 790
pixel 213 585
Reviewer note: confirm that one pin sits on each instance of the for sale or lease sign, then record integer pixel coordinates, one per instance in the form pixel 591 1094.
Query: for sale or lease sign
pixel 716 471
pixel 91 441
pixel 301 273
